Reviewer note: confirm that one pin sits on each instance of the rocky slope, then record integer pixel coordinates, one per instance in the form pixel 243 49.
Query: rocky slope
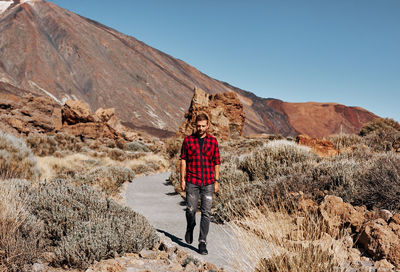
pixel 47 50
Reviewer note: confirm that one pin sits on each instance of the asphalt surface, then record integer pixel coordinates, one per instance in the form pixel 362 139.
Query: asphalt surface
pixel 153 197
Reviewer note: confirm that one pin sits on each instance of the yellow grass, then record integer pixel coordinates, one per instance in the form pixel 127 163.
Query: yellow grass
pixel 279 240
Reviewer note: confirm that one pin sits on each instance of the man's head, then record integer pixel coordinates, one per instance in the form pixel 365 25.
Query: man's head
pixel 201 124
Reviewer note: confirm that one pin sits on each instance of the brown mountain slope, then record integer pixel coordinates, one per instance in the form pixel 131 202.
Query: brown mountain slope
pixel 322 119
pixel 47 50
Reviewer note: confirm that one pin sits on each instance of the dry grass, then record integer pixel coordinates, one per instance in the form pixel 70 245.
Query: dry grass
pixel 276 238
pixel 16 159
pixel 103 173
pixel 20 232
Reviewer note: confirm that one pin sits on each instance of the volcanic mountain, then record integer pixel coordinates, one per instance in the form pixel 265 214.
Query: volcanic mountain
pixel 47 50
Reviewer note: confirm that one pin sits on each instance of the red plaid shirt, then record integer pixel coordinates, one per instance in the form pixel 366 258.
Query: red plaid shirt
pixel 195 162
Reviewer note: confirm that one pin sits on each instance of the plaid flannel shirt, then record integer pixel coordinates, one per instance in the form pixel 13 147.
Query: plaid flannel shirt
pixel 196 162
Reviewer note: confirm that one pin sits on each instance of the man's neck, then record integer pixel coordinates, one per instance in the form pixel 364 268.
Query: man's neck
pixel 202 136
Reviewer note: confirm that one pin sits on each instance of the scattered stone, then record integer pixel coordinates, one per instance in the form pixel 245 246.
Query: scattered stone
pixel 383 265
pixel 37 267
pixel 148 254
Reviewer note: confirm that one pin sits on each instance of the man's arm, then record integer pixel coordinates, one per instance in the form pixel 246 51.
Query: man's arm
pixel 183 172
pixel 216 175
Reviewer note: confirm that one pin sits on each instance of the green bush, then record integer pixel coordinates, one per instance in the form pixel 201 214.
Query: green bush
pixel 16 159
pixel 81 226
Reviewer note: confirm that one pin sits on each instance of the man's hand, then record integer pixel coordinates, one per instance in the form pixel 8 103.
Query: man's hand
pixel 183 185
pixel 216 187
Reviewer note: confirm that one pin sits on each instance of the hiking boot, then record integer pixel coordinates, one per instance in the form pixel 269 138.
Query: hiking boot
pixel 203 248
pixel 189 236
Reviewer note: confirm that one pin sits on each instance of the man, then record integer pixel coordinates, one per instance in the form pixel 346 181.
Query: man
pixel 200 160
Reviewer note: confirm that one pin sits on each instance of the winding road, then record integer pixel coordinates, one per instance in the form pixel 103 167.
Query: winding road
pixel 155 198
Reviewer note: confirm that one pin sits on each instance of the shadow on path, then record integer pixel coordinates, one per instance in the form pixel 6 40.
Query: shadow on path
pixel 177 240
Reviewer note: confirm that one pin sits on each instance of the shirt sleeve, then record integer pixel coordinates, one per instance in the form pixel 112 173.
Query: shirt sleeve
pixel 217 157
pixel 184 150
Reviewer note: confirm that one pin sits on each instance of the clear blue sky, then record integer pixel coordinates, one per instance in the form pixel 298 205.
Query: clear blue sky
pixel 343 51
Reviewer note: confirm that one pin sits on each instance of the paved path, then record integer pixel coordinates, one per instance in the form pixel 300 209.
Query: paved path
pixel 157 200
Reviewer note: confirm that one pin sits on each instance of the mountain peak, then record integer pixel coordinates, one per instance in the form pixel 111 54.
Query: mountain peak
pixel 8 4
pixel 50 51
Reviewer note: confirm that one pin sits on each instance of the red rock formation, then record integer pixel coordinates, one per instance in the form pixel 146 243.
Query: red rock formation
pixel 318 146
pixel 30 114
pixel 323 119
pixel 224 110
pixel 48 50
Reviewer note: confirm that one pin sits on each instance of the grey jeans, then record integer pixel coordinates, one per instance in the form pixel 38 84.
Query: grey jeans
pixel 193 192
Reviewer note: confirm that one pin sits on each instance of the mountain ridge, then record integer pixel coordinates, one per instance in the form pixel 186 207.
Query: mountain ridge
pixel 48 50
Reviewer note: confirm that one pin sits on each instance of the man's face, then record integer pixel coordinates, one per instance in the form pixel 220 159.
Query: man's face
pixel 201 127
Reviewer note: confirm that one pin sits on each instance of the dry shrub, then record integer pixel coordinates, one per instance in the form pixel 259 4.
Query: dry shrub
pixel 81 226
pixel 378 124
pixel 137 146
pixel 345 141
pixel 276 158
pixel 383 139
pixel 379 183
pixel 116 154
pixel 108 179
pixel 173 146
pixel 382 134
pixel 280 237
pixel 357 177
pixel 149 163
pixel 20 232
pixel 16 159
pixel 45 145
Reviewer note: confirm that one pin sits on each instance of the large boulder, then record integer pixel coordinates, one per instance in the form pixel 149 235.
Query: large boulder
pixel 75 111
pixel 224 110
pixel 381 240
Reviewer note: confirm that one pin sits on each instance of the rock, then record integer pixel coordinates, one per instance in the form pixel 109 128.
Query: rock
pixel 28 114
pixel 37 267
pixel 380 241
pixel 75 111
pixel 103 115
pixel 18 125
pixel 383 265
pixel 336 213
pixel 224 110
pixel 385 214
pixel 318 146
pixel 307 205
pixel 148 254
pixel 168 246
pixel 92 131
pixel 396 219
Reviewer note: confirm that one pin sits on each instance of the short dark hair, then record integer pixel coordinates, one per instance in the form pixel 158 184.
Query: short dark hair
pixel 201 117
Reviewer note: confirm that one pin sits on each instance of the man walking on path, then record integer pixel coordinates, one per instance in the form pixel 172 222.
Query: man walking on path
pixel 200 160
